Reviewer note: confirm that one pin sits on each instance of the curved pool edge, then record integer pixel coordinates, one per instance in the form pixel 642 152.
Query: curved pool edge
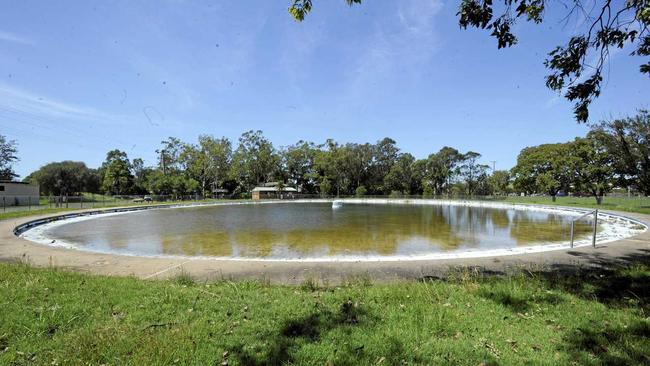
pixel 13 248
pixel 612 222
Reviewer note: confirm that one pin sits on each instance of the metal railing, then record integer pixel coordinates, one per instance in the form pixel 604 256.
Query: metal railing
pixel 594 226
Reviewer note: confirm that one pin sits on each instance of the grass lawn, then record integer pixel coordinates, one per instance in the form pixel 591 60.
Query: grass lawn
pixel 542 317
pixel 45 209
pixel 40 211
pixel 632 204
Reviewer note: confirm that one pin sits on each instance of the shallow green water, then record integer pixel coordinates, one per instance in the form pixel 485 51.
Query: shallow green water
pixel 301 230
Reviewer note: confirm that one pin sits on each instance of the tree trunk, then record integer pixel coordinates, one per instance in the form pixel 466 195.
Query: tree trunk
pixel 599 200
pixel 553 197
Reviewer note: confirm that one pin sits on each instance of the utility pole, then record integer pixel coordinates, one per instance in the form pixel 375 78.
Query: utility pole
pixel 494 165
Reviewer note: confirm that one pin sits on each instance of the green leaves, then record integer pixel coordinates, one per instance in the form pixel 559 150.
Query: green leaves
pixel 480 14
pixel 475 13
pixel 566 61
pixel 582 165
pixel 8 156
pixel 543 168
pixel 501 31
pixel 299 9
pixel 117 173
pixel 532 9
pixel 608 24
pixel 584 93
pixel 65 178
pixel 627 140
pixel 255 160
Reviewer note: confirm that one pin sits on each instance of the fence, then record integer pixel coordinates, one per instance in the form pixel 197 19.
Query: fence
pixel 88 201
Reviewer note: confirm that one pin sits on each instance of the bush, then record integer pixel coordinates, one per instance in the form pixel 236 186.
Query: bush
pixel 360 191
pixel 395 194
pixel 427 192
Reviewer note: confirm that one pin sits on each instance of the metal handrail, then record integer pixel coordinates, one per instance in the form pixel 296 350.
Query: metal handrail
pixel 595 226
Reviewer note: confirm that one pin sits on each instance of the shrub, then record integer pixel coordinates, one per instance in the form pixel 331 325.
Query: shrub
pixel 427 192
pixel 395 194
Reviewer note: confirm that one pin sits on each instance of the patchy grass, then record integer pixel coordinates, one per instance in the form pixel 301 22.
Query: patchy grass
pixel 34 212
pixel 43 210
pixel 631 204
pixel 550 317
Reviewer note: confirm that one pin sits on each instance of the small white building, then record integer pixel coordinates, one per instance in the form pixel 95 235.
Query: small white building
pixel 18 193
pixel 271 190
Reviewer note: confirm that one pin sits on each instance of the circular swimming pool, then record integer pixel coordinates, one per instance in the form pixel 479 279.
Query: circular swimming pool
pixel 321 230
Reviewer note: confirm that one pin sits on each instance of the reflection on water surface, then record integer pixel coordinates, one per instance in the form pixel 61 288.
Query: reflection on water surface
pixel 299 230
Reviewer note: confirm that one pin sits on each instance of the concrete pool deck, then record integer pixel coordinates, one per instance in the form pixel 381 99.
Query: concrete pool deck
pixel 15 249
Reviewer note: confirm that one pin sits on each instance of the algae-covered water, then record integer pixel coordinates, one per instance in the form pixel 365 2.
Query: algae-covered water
pixel 316 230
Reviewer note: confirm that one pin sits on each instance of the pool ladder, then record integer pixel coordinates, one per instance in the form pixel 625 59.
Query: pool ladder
pixel 595 226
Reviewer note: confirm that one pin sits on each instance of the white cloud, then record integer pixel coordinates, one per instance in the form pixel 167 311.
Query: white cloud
pixel 417 16
pixel 400 46
pixel 14 38
pixel 27 102
pixel 301 39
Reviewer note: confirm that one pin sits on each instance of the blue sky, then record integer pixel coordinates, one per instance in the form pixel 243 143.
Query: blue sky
pixel 79 78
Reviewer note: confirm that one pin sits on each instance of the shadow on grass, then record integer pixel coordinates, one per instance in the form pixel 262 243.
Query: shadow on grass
pixel 519 304
pixel 309 329
pixel 618 283
pixel 593 345
pixel 615 282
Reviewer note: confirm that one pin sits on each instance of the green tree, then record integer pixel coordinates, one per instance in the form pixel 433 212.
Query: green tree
pixel 473 173
pixel 330 164
pixel 255 160
pixel 418 174
pixel 117 173
pixel 169 156
pixel 606 25
pixel 544 169
pixel 140 175
pixel 8 156
pixel 300 166
pixel 182 185
pixel 196 165
pixel 628 142
pixel 444 168
pixel 92 181
pixel 400 177
pixel 219 156
pixel 357 167
pixel 159 183
pixel 325 186
pixel 386 153
pixel 65 178
pixel 593 166
pixel 499 182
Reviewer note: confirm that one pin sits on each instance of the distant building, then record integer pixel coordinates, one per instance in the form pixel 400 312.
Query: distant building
pixel 270 191
pixel 18 193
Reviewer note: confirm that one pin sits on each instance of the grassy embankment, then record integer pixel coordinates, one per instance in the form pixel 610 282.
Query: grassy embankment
pixel 98 202
pixel 56 317
pixel 632 204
